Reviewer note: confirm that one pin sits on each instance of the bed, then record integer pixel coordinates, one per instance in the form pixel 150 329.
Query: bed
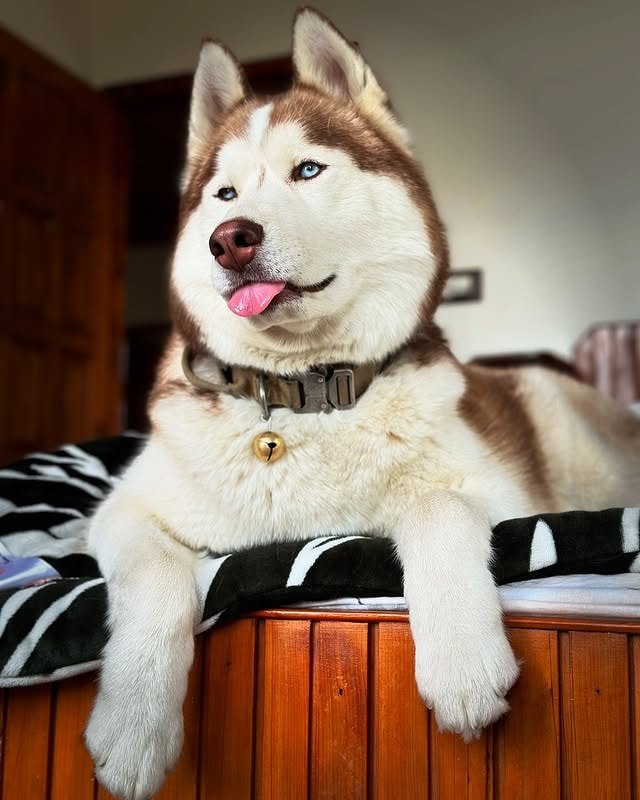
pixel 319 701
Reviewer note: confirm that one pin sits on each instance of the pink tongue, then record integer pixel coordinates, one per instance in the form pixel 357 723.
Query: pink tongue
pixel 253 298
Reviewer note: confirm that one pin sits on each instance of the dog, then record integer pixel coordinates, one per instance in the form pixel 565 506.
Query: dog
pixel 307 389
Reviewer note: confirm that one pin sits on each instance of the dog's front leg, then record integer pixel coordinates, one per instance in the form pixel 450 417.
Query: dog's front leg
pixel 464 664
pixel 135 731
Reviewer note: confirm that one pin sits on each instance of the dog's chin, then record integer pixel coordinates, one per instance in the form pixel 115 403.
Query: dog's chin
pixel 295 308
pixel 285 314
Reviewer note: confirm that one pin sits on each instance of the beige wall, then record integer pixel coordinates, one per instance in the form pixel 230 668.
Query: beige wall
pixel 59 28
pixel 524 114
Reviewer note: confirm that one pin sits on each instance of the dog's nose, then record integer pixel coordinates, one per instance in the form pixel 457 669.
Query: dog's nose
pixel 234 243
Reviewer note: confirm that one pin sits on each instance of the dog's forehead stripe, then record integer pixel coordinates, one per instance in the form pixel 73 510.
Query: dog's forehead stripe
pixel 259 125
pixel 256 133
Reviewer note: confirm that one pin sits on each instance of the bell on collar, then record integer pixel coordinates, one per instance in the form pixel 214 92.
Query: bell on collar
pixel 269 447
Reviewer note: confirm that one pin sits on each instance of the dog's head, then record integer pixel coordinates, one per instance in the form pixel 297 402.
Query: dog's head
pixel 308 233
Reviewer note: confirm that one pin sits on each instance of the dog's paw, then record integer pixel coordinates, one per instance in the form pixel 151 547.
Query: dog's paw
pixel 132 746
pixel 466 688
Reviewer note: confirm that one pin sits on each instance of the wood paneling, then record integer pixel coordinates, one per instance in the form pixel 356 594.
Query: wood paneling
pixel 460 771
pixel 596 729
pixel 227 744
pixel 399 757
pixel 634 651
pixel 182 782
pixel 318 708
pixel 29 269
pixel 339 711
pixel 71 766
pixel 283 716
pixel 527 741
pixel 3 700
pixel 74 391
pixel 26 744
pixel 24 368
pixel 62 210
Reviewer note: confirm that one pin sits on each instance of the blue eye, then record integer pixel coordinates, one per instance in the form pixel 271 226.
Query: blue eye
pixel 227 193
pixel 307 170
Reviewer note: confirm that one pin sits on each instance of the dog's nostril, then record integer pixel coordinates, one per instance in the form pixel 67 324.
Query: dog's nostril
pixel 241 239
pixel 216 248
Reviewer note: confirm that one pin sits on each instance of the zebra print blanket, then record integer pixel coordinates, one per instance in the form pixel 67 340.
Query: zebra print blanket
pixel 56 628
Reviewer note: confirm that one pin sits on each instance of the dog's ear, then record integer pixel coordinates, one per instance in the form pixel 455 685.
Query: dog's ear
pixel 218 85
pixel 325 60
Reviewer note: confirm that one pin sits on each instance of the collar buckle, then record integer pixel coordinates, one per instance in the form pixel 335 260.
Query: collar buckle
pixel 324 393
pixel 342 389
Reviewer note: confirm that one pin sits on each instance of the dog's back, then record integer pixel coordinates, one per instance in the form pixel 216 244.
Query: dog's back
pixel 591 443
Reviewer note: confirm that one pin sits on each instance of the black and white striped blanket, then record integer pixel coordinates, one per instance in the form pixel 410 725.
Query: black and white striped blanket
pixel 56 629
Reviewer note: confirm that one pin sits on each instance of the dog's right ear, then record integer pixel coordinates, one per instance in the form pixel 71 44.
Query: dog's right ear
pixel 218 85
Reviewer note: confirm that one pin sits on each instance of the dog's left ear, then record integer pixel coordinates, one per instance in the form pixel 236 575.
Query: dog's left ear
pixel 325 60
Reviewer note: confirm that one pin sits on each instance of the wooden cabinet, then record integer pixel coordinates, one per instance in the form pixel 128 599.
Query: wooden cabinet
pixel 296 704
pixel 62 216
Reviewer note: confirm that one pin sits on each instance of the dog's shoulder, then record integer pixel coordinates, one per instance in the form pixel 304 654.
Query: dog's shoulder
pixel 496 405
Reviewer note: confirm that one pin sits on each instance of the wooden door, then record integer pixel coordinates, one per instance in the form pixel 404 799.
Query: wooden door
pixel 61 249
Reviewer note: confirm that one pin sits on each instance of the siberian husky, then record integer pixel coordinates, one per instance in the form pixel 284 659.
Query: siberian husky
pixel 309 262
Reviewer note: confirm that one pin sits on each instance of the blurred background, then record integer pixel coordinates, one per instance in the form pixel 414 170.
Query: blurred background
pixel 525 116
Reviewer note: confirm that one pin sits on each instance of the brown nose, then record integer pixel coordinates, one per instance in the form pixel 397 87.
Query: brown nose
pixel 234 243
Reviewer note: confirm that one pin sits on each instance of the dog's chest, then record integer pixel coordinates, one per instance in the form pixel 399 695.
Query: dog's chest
pixel 340 472
pixel 335 472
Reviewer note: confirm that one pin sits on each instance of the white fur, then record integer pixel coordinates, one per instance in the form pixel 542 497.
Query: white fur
pixel 403 463
pixel 372 306
pixel 374 468
pixel 464 665
pixel 135 732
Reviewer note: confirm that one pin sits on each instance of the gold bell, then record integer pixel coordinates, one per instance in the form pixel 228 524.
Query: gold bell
pixel 269 447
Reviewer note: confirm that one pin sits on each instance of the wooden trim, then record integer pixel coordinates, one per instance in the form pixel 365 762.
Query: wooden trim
pixel 596 624
pixel 330 614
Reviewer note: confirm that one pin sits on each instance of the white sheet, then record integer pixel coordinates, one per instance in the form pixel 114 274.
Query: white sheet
pixel 567 595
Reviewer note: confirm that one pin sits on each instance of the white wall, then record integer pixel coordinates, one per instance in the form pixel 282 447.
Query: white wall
pixel 525 115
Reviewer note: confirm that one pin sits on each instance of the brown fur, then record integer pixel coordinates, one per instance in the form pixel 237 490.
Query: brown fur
pixel 165 389
pixel 166 385
pixel 184 323
pixel 494 409
pixel 233 125
pixel 428 345
pixel 329 122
